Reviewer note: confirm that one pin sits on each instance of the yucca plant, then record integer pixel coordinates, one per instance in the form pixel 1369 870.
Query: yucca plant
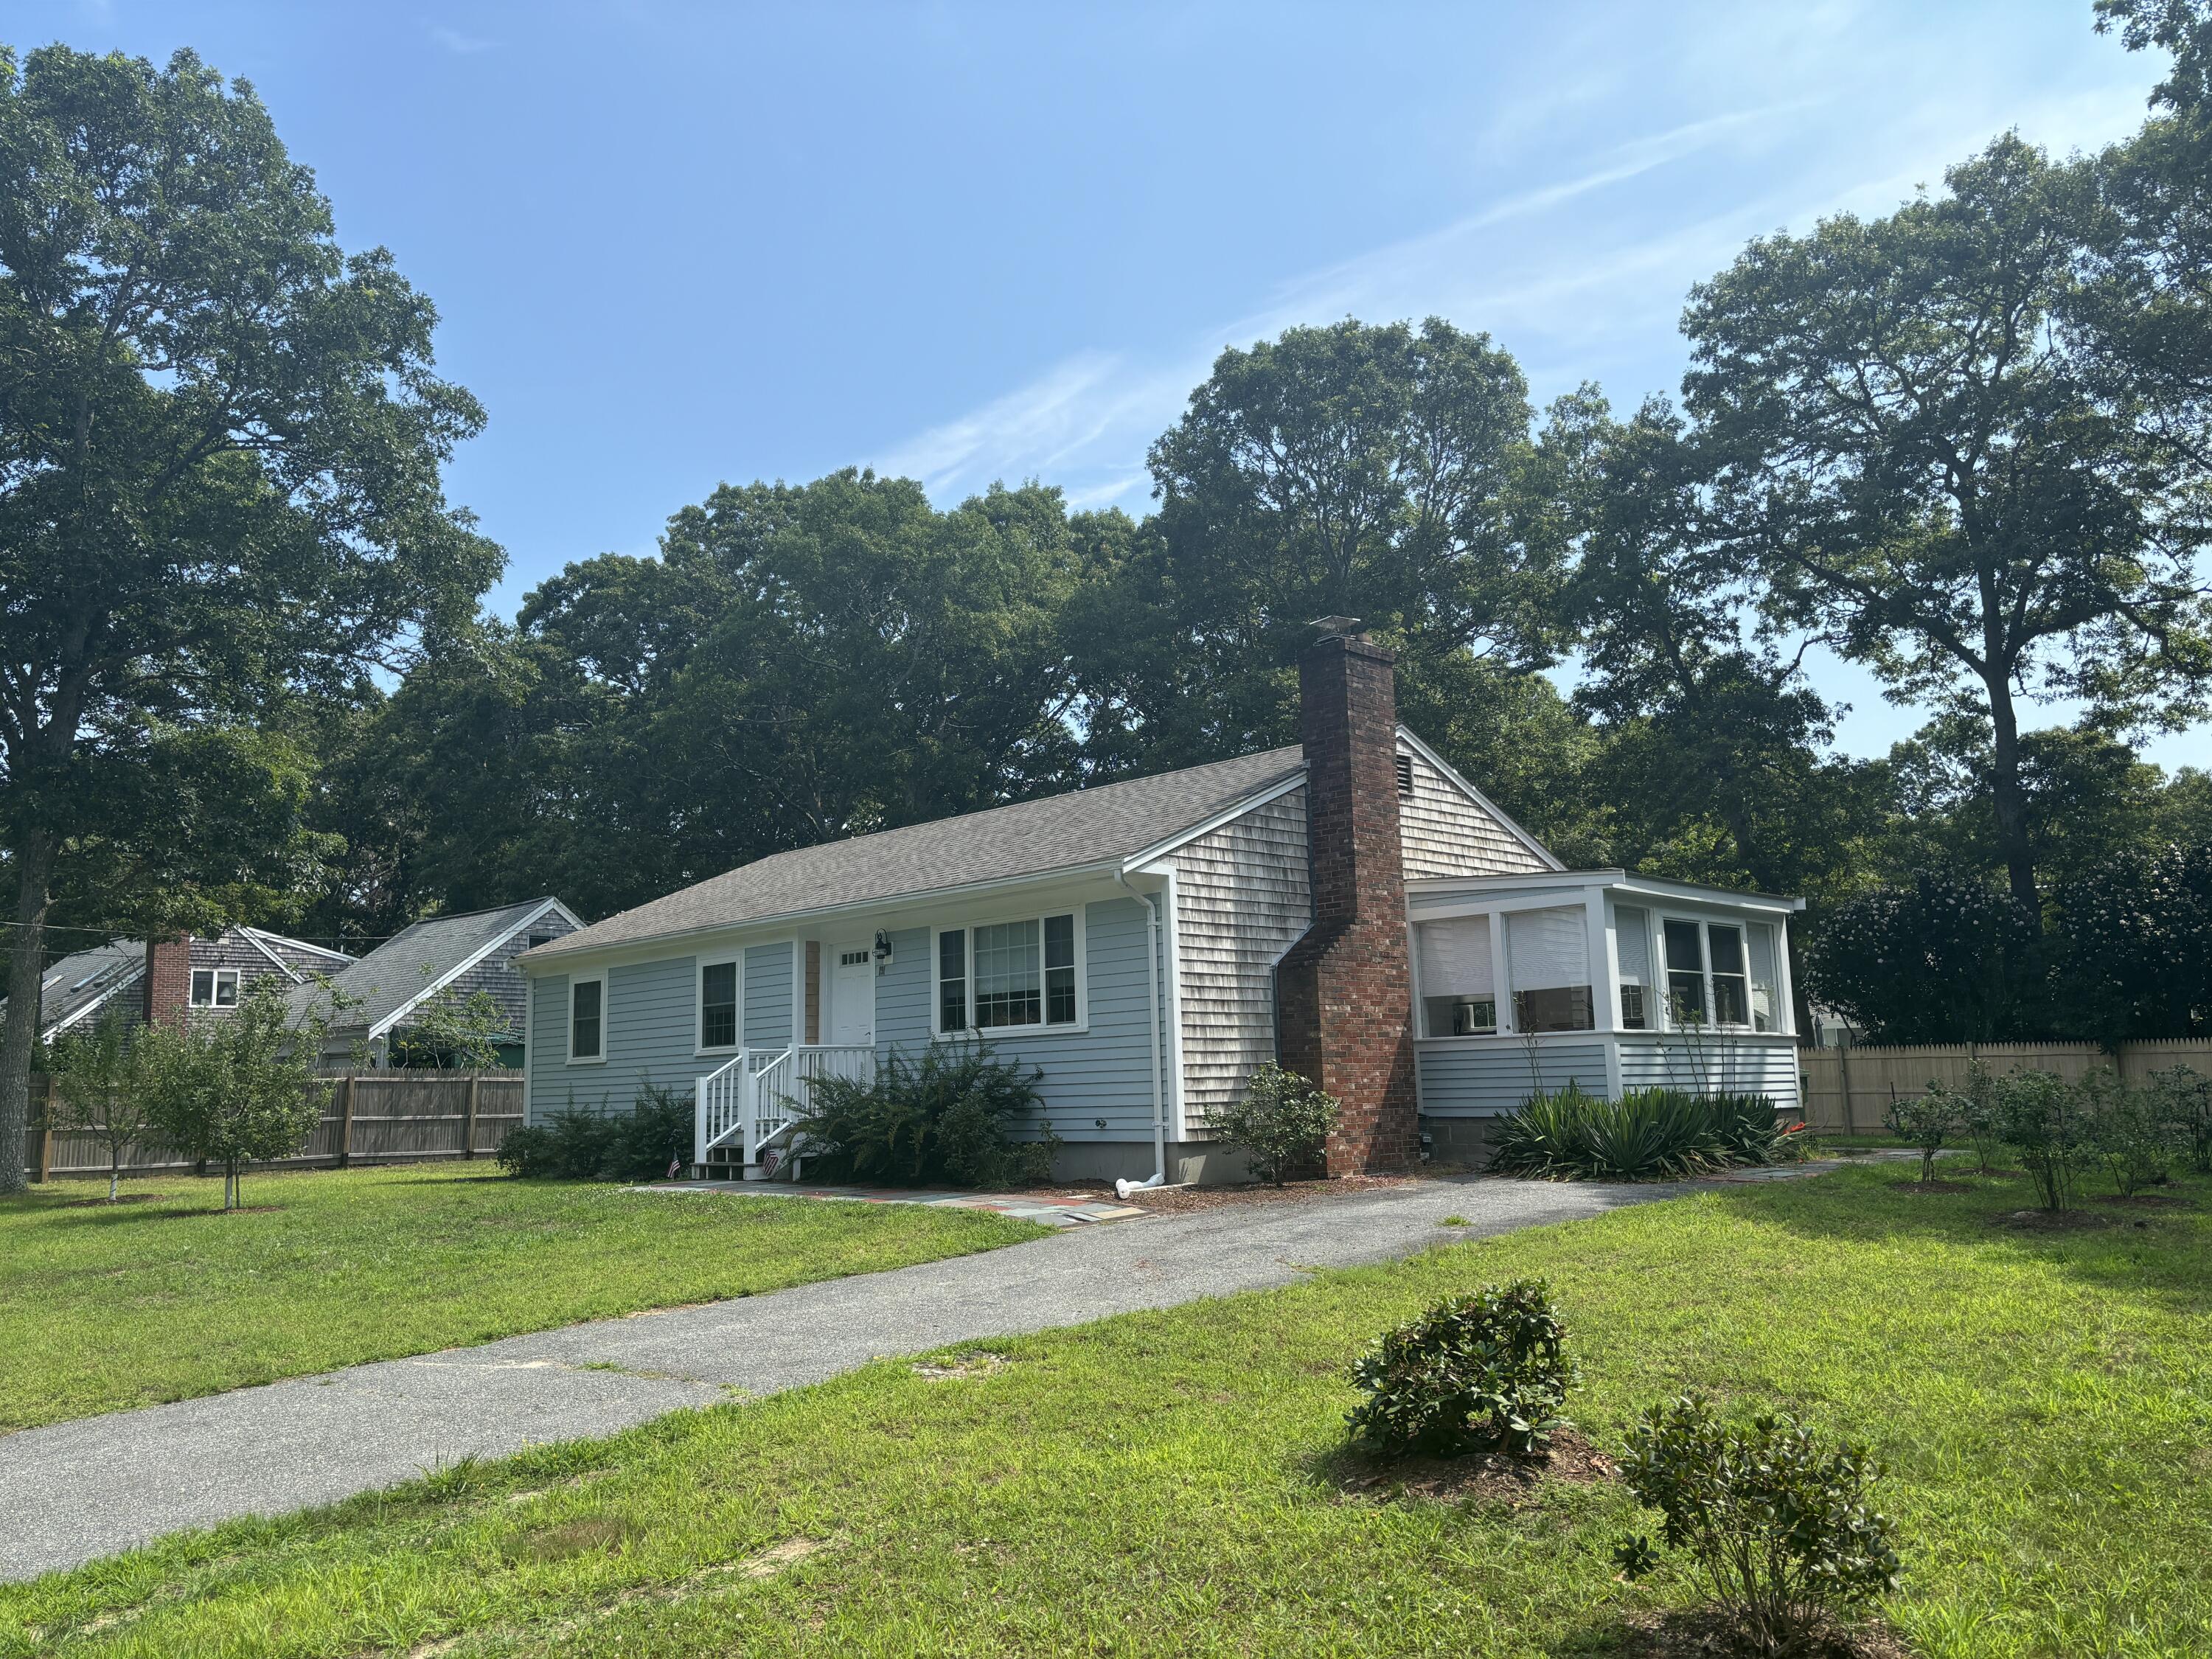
pixel 1647 1134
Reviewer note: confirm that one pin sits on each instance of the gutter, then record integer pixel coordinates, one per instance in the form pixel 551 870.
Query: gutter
pixel 1124 1187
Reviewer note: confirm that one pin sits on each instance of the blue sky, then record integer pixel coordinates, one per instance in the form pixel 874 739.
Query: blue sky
pixel 675 245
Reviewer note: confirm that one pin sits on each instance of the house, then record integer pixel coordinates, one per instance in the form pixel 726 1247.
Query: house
pixel 371 1002
pixel 149 980
pixel 1352 905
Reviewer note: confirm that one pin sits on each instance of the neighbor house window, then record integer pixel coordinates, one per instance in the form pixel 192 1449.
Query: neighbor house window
pixel 1547 954
pixel 718 1005
pixel 214 987
pixel 1459 980
pixel 587 1018
pixel 1009 975
pixel 1632 928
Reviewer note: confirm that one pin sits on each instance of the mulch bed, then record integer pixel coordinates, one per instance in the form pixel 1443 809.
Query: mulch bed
pixel 1175 1200
pixel 1710 1636
pixel 1479 1476
pixel 1932 1186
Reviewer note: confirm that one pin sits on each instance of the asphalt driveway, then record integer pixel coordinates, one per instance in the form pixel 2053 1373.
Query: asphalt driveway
pixel 74 1492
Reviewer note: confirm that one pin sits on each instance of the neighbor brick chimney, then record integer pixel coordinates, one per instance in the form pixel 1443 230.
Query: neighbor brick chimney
pixel 168 982
pixel 1344 995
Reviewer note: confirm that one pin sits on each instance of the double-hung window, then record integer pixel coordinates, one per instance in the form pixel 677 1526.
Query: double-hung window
pixel 1009 975
pixel 718 1005
pixel 588 1020
pixel 1713 980
pixel 214 987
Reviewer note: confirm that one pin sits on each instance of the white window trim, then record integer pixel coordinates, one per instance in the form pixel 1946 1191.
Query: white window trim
pixel 699 1043
pixel 968 925
pixel 568 1030
pixel 214 988
pixel 1666 974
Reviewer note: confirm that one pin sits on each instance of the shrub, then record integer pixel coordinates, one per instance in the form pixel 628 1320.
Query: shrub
pixel 2186 1097
pixel 1778 1523
pixel 638 1145
pixel 2039 1116
pixel 1926 1121
pixel 1647 1134
pixel 1484 1372
pixel 1282 1123
pixel 1978 1116
pixel 2129 1128
pixel 940 1120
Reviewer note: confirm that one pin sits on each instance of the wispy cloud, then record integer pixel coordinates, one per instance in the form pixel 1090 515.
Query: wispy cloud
pixel 454 41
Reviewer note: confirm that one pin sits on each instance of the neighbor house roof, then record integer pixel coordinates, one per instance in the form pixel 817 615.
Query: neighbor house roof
pixel 78 984
pixel 1083 828
pixel 387 983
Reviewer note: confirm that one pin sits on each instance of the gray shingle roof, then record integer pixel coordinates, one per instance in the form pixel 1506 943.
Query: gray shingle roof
pixel 410 963
pixel 84 978
pixel 1029 838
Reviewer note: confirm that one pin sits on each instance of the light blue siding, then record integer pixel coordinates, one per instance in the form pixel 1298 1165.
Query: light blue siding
pixel 1101 1073
pixel 1748 1065
pixel 650 1036
pixel 767 996
pixel 1471 1081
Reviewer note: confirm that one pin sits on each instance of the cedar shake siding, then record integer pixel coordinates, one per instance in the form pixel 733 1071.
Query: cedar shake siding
pixel 1447 833
pixel 1242 900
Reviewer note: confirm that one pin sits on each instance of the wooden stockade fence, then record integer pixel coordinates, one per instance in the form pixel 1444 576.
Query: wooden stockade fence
pixel 1848 1090
pixel 371 1117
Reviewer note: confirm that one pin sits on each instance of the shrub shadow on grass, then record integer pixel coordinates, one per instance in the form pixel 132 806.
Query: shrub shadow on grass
pixel 2165 1258
pixel 1358 1476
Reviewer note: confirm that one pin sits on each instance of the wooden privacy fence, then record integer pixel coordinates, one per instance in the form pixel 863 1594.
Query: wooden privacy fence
pixel 370 1117
pixel 1850 1088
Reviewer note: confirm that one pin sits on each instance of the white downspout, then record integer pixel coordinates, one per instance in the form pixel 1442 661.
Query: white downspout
pixel 1124 1187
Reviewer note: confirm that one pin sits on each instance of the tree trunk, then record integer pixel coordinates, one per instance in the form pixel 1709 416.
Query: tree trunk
pixel 2010 811
pixel 19 1040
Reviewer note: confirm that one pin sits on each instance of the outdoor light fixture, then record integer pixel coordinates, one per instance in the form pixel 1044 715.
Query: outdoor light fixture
pixel 883 951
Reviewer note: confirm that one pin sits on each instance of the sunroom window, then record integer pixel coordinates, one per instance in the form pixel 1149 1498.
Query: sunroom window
pixel 1713 980
pixel 1731 983
pixel 1686 972
pixel 1632 930
pixel 1458 986
pixel 1765 977
pixel 1547 955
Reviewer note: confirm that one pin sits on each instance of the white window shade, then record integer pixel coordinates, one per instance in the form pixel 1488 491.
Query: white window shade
pixel 1632 927
pixel 1548 950
pixel 1454 958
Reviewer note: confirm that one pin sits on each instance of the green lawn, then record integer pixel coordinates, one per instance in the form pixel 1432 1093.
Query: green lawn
pixel 1163 1482
pixel 111 1307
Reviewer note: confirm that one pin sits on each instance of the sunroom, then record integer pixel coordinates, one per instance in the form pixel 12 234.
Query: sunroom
pixel 1525 983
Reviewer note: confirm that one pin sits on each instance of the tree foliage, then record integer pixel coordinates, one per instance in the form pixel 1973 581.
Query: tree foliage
pixel 220 444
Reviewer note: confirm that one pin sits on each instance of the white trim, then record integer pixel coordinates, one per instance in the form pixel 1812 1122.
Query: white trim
pixel 1504 820
pixel 569 1027
pixel 968 925
pixel 1432 889
pixel 441 981
pixel 267 938
pixel 530 1051
pixel 700 964
pixel 280 964
pixel 1136 862
pixel 215 987
pixel 651 947
pixel 98 1002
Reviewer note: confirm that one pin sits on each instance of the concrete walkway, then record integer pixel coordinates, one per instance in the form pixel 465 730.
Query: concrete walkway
pixel 74 1492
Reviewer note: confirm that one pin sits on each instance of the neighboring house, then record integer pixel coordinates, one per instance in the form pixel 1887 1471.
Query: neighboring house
pixel 454 955
pixel 204 975
pixel 1352 905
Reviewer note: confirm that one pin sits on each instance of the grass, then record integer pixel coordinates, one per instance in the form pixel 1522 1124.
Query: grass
pixel 1167 1481
pixel 108 1307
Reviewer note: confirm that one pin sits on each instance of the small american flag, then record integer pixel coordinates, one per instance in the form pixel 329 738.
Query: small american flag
pixel 675 1168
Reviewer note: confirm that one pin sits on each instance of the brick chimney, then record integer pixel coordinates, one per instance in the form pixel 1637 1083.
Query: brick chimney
pixel 1344 995
pixel 168 982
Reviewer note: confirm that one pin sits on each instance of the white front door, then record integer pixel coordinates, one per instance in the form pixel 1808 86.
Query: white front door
pixel 852 993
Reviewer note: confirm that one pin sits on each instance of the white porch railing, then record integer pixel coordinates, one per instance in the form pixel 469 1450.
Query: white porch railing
pixel 762 1093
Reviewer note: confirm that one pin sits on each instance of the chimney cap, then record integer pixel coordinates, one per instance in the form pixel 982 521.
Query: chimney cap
pixel 1330 628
